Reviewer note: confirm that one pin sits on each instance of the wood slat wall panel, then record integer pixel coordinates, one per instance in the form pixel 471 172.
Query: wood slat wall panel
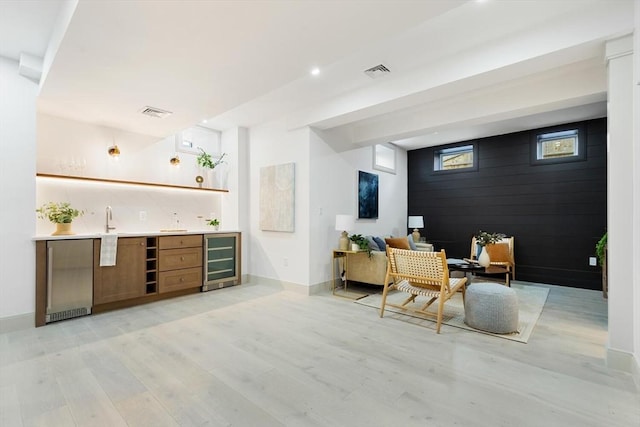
pixel 557 212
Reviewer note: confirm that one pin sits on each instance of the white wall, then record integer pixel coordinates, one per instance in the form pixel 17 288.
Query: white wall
pixel 192 207
pixel 636 180
pixel 70 147
pixel 334 185
pixel 235 204
pixel 17 185
pixel 326 185
pixel 277 255
pixel 623 219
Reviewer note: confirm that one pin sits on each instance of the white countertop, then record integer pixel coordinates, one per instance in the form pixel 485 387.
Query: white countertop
pixel 132 234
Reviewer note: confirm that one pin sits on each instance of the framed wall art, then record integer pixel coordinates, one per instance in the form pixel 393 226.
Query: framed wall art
pixel 277 198
pixel 367 195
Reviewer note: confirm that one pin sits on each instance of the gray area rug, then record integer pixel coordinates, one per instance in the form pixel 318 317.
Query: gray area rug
pixel 531 300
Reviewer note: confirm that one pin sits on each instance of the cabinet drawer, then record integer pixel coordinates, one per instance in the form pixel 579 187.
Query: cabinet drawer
pixel 180 279
pixel 172 242
pixel 173 259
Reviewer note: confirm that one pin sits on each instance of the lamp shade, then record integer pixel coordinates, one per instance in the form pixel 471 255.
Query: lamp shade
pixel 416 222
pixel 344 222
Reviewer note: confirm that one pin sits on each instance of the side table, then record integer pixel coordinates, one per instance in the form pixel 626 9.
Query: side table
pixel 341 291
pixel 469 268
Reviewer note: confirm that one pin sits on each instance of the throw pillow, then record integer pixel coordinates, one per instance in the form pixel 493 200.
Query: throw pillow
pixel 412 244
pixel 381 244
pixel 398 242
pixel 372 244
pixel 499 252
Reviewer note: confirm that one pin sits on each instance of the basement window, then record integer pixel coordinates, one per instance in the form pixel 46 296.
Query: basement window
pixel 558 146
pixel 461 157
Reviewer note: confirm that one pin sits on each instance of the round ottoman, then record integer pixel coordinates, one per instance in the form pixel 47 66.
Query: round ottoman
pixel 491 307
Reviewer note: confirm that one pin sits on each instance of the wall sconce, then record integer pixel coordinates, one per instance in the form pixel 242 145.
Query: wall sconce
pixel 114 151
pixel 175 160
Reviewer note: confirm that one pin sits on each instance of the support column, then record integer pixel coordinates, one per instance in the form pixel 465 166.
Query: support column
pixel 622 257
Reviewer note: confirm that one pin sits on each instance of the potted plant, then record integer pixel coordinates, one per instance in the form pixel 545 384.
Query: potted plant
pixel 61 214
pixel 484 238
pixel 601 253
pixel 361 243
pixel 206 162
pixel 214 223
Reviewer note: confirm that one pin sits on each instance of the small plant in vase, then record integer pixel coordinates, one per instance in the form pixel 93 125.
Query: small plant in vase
pixel 214 223
pixel 483 239
pixel 208 164
pixel 61 214
pixel 361 242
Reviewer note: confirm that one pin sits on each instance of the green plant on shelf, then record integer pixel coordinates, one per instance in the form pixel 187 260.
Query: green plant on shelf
pixel 205 160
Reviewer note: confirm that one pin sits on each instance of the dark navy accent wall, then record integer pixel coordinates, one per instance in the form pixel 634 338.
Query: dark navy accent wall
pixel 557 212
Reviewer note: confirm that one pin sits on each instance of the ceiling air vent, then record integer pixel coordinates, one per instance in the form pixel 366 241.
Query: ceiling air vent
pixel 155 112
pixel 377 71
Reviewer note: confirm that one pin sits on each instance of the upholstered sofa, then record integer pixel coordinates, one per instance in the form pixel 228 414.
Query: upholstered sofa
pixel 361 268
pixel 372 270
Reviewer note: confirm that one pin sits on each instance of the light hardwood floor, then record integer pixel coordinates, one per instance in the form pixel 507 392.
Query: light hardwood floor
pixel 254 355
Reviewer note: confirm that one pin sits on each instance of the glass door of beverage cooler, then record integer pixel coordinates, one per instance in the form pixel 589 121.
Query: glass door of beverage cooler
pixel 221 264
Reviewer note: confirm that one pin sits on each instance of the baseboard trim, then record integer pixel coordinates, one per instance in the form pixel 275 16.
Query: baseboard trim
pixel 623 361
pixel 298 288
pixel 19 322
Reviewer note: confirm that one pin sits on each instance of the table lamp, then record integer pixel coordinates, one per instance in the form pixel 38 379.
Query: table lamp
pixel 416 222
pixel 344 223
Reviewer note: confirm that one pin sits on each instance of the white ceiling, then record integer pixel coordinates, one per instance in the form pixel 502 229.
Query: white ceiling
pixel 459 69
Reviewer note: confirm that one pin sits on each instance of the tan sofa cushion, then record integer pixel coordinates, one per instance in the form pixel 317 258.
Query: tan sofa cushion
pixel 398 242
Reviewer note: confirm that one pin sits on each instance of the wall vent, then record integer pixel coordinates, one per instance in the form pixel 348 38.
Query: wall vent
pixel 155 112
pixel 377 71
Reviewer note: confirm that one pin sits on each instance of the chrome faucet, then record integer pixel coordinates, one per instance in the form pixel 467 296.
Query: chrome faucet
pixel 109 216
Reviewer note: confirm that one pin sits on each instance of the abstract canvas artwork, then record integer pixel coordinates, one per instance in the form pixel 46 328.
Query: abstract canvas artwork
pixel 367 195
pixel 277 197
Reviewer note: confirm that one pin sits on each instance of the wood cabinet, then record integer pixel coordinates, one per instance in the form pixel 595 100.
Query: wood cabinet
pixel 179 262
pixel 126 279
pixel 149 268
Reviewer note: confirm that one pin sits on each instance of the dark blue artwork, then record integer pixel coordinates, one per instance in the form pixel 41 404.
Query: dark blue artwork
pixel 367 195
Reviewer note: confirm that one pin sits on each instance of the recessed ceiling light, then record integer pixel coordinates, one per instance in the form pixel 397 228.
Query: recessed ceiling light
pixel 315 71
pixel 204 121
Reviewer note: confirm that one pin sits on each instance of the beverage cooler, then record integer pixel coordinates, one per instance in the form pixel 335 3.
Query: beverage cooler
pixel 221 261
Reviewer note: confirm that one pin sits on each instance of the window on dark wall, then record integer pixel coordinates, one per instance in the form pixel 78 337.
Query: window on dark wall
pixel 558 145
pixel 460 158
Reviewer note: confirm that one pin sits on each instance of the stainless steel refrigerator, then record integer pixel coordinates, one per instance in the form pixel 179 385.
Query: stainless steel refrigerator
pixel 69 279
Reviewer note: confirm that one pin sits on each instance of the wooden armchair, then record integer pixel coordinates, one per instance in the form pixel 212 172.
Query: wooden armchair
pixel 501 256
pixel 420 274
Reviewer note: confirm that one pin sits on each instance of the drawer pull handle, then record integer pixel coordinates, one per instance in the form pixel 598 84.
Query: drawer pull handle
pixel 182 279
pixel 181 258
